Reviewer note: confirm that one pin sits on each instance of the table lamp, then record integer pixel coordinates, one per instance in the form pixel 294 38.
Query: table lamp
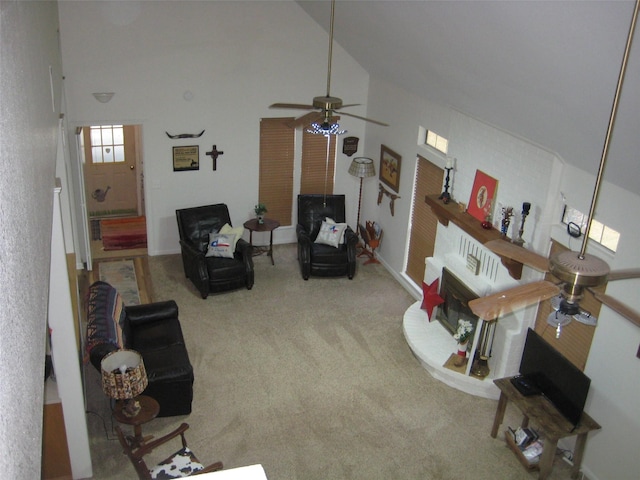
pixel 361 167
pixel 124 378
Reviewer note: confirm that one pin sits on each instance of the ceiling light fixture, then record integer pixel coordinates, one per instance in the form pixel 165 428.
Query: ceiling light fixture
pixel 103 97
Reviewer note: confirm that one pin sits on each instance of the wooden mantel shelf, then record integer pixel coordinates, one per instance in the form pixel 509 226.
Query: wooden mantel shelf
pixel 450 212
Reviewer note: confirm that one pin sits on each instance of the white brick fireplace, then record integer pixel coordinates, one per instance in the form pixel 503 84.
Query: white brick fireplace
pixel 433 344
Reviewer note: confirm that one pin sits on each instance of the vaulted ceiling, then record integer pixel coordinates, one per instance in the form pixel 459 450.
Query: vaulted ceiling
pixel 543 70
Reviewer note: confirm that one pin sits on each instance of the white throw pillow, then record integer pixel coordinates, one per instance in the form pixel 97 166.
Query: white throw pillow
pixel 331 220
pixel 331 233
pixel 237 231
pixel 221 245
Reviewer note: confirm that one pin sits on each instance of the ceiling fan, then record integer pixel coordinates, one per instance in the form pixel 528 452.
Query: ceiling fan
pixel 324 107
pixel 577 271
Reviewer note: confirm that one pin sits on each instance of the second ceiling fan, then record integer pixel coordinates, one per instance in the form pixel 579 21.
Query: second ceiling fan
pixel 324 108
pixel 576 271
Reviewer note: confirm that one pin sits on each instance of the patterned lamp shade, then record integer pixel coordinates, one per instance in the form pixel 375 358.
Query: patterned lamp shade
pixel 362 167
pixel 123 374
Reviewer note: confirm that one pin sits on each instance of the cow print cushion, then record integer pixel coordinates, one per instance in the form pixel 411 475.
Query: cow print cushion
pixel 182 464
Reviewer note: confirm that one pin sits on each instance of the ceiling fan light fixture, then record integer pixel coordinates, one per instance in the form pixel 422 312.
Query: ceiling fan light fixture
pixel 326 129
pixel 586 318
pixel 558 320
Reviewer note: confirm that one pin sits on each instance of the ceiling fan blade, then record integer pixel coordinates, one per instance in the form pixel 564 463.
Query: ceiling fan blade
pixel 497 304
pixel 617 306
pixel 624 274
pixel 351 105
pixel 306 119
pixel 519 254
pixel 292 105
pixel 364 118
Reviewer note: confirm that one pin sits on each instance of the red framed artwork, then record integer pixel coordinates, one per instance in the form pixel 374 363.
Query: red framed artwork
pixel 483 194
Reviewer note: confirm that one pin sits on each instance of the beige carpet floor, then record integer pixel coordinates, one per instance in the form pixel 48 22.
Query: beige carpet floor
pixel 315 381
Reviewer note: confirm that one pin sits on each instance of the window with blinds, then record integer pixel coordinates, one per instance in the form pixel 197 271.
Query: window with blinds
pixel 422 235
pixel 277 142
pixel 317 173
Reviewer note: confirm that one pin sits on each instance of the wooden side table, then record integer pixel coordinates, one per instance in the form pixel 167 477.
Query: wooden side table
pixel 268 225
pixel 552 423
pixel 149 409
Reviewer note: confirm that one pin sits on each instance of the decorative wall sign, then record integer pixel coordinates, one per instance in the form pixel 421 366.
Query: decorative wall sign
pixel 482 193
pixel 186 158
pixel 350 145
pixel 390 167
pixel 214 156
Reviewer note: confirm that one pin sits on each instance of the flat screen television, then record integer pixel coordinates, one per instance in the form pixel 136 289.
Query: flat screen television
pixel 550 372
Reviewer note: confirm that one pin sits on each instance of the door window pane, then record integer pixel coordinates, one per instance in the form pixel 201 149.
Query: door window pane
pixel 107 144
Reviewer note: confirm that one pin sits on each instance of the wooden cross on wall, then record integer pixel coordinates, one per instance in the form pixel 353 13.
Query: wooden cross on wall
pixel 214 155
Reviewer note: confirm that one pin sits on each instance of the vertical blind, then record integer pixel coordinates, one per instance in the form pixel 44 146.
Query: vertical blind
pixel 318 169
pixel 277 141
pixel 277 152
pixel 422 236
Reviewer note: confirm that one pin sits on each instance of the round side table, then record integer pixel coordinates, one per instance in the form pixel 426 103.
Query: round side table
pixel 149 409
pixel 268 225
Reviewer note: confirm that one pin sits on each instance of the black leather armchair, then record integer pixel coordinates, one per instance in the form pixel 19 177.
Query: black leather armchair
pixel 154 331
pixel 212 274
pixel 316 258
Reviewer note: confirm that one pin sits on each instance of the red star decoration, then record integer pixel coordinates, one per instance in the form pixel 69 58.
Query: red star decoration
pixel 430 297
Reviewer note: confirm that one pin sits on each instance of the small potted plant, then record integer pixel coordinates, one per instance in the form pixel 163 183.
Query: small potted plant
pixel 260 209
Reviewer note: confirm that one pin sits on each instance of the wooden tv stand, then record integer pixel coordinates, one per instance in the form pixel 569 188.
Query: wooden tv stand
pixel 549 420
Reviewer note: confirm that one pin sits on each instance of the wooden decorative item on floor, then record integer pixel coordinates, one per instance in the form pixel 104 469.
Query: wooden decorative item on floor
pixel 371 236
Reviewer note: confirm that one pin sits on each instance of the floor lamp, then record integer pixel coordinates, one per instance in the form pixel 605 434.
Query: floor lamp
pixel 361 167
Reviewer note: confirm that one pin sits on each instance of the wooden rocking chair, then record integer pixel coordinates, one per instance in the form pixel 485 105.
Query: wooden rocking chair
pixel 182 463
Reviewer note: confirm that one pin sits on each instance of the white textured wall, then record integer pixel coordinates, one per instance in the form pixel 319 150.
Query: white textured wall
pixel 236 58
pixel 524 171
pixel 29 43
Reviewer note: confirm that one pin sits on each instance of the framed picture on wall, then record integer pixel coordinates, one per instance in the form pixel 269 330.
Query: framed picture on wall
pixel 186 158
pixel 390 163
pixel 483 195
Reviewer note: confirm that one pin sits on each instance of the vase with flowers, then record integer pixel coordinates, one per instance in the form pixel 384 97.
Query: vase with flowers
pixel 462 336
pixel 260 209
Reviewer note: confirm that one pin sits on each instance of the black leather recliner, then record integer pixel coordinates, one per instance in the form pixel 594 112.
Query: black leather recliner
pixel 154 331
pixel 316 258
pixel 212 274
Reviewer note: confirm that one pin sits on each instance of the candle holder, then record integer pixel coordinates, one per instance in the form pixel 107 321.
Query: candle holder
pixel 526 207
pixel 507 213
pixel 445 196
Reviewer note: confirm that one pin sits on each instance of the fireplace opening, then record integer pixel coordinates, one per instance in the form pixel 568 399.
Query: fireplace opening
pixel 456 297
